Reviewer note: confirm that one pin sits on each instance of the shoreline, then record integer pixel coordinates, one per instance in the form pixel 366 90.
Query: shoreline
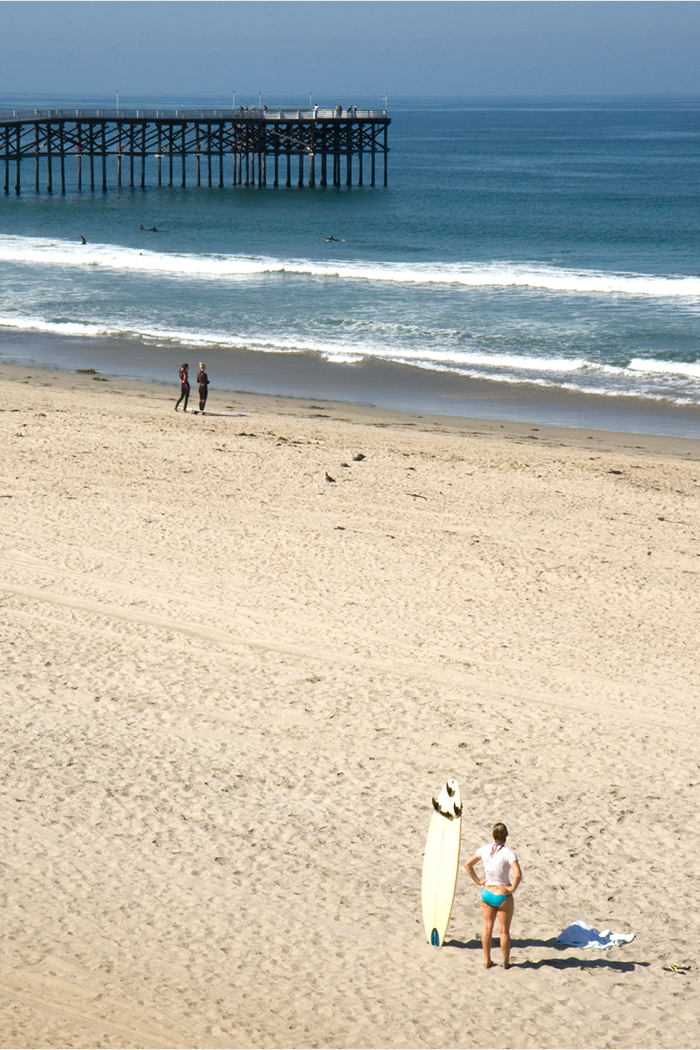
pixel 373 387
pixel 347 412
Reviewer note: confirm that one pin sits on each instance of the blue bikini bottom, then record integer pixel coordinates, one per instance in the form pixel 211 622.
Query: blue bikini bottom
pixel 494 899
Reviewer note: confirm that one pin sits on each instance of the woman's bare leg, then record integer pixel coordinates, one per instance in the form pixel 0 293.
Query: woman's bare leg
pixel 489 915
pixel 505 915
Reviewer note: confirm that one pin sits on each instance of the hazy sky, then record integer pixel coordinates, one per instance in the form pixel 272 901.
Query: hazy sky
pixel 350 50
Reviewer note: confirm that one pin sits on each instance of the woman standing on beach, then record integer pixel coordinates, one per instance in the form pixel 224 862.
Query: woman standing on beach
pixel 203 380
pixel 503 876
pixel 184 387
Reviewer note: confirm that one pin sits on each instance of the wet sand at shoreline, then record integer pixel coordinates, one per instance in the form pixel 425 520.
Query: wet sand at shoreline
pixel 381 386
pixel 232 686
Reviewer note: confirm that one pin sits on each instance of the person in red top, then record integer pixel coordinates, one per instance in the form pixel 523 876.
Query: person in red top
pixel 203 380
pixel 184 387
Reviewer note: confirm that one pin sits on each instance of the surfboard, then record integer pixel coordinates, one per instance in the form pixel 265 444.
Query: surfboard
pixel 206 412
pixel 441 862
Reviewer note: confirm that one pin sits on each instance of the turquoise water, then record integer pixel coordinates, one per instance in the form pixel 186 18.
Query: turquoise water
pixel 542 245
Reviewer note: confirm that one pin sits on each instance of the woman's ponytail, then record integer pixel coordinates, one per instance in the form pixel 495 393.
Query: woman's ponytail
pixel 500 834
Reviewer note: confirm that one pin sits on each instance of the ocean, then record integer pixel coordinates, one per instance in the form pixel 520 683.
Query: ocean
pixel 535 259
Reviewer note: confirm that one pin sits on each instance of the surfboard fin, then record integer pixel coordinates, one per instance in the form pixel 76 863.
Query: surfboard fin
pixel 450 790
pixel 458 811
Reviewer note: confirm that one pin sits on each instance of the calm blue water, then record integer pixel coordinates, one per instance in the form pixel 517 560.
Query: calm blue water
pixel 544 245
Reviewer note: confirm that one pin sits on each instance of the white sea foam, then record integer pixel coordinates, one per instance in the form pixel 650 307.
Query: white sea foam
pixel 68 328
pixel 347 353
pixel 652 379
pixel 357 350
pixel 145 333
pixel 511 368
pixel 669 368
pixel 38 251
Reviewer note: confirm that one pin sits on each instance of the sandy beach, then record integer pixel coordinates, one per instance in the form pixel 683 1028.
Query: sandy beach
pixel 232 685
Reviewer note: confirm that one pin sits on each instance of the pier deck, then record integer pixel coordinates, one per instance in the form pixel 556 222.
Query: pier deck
pixel 324 145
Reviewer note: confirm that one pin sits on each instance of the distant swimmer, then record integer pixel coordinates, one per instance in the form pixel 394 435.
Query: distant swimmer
pixel 141 226
pixel 338 239
pixel 82 239
pixel 153 230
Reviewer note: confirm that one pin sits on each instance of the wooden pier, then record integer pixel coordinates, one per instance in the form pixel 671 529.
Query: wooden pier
pixel 243 146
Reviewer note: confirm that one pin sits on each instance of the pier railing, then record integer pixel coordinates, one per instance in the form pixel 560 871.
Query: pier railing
pixel 240 113
pixel 240 141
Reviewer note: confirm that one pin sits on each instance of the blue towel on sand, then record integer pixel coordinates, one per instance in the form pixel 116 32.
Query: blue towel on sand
pixel 581 935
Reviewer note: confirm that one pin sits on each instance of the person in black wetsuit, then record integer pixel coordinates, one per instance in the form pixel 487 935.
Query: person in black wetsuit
pixel 203 380
pixel 184 387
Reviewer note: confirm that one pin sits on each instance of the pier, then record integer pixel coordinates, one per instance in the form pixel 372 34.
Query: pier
pixel 238 147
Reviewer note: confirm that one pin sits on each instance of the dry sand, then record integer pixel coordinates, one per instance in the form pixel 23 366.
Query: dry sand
pixel 231 687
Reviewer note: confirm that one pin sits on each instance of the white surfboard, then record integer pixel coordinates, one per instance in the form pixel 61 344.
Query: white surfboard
pixel 206 412
pixel 441 862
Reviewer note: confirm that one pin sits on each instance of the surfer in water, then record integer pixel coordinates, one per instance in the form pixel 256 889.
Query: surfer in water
pixel 184 386
pixel 502 878
pixel 203 380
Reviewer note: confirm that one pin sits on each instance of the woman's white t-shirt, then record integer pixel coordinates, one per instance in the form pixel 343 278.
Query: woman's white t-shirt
pixel 497 866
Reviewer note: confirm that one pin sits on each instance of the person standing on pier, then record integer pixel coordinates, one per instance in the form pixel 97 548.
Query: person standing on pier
pixel 203 380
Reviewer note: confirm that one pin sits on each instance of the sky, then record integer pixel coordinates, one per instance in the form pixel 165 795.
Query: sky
pixel 346 50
